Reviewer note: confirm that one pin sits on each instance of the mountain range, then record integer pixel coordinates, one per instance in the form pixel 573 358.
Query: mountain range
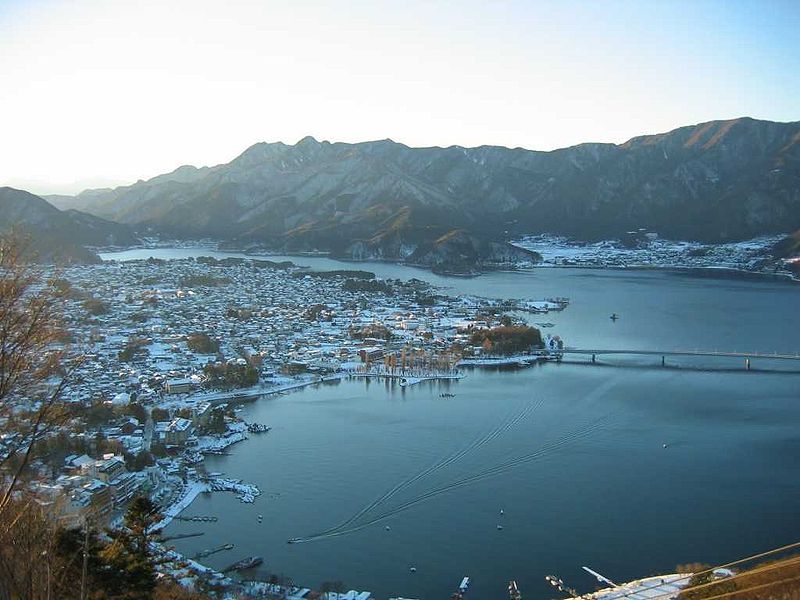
pixel 58 236
pixel 714 182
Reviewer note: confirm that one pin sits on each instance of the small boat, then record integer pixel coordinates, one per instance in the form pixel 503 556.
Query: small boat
pixel 388 528
pixel 513 591
pixel 413 569
pixel 502 512
pixel 499 527
pixel 462 589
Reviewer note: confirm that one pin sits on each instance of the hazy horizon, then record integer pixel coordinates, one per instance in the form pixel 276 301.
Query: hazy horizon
pixel 102 94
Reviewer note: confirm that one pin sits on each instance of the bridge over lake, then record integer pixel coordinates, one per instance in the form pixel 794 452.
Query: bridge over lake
pixel 747 356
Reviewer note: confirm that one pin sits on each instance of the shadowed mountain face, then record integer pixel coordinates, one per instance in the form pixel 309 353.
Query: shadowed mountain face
pixel 718 181
pixel 56 235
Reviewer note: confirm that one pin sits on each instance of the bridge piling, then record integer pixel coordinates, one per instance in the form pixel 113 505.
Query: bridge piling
pixel 747 363
pixel 663 361
pixel 593 358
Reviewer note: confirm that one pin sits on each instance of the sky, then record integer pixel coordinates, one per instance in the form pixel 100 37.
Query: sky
pixel 103 92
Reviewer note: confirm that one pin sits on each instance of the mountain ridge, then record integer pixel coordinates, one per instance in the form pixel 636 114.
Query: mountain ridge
pixel 55 235
pixel 716 181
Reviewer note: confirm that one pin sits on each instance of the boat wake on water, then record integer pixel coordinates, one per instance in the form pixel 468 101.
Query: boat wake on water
pixel 352 524
pixel 441 464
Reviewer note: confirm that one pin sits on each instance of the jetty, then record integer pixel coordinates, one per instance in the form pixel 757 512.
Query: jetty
pixel 182 536
pixel 197 519
pixel 210 551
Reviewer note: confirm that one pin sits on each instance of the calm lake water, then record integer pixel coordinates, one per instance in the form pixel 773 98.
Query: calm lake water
pixel 573 454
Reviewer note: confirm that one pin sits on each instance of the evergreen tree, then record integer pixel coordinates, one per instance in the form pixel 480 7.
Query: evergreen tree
pixel 129 570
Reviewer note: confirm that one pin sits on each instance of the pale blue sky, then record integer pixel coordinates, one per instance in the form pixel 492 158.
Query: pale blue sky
pixel 112 90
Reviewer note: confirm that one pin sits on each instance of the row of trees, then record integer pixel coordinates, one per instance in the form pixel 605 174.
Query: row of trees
pixel 192 281
pixel 352 274
pixel 372 286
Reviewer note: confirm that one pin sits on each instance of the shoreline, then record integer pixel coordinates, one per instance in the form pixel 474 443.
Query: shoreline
pixel 710 272
pixel 195 488
pixel 408 380
pixel 191 492
pixel 521 360
pixel 722 272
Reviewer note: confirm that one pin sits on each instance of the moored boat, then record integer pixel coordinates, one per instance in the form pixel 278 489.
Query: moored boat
pixel 245 563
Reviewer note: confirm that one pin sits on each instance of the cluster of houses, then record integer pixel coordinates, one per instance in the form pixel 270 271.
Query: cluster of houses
pixel 645 248
pixel 89 488
pixel 134 320
pixel 259 317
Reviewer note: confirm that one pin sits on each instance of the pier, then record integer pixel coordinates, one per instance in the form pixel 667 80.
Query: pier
pixel 182 536
pixel 210 551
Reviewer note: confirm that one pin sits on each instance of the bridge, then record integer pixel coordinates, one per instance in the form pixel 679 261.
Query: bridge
pixel 747 356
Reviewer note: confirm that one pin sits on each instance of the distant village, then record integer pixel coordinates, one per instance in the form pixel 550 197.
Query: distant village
pixel 642 248
pixel 168 348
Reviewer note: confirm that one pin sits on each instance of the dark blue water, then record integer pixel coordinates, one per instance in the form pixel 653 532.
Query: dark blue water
pixel 588 481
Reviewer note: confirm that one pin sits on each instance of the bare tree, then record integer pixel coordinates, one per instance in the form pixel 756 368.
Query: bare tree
pixel 33 374
pixel 33 371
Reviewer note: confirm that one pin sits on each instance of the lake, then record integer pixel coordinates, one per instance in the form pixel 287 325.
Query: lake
pixel 572 454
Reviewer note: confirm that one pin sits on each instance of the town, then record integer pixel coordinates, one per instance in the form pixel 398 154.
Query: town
pixel 166 349
pixel 646 249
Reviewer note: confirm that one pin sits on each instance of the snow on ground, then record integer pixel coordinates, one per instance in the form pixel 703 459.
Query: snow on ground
pixel 748 255
pixel 190 492
pixel 517 359
pixel 275 590
pixel 246 492
pixel 276 385
pixel 663 587
pixel 237 432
